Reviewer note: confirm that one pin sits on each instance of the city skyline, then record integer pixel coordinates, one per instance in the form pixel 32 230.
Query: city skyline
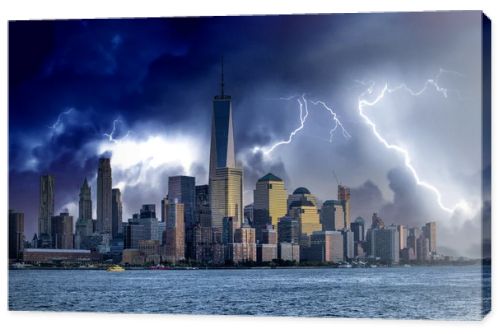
pixel 261 118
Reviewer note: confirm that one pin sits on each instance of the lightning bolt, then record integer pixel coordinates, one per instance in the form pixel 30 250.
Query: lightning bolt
pixel 111 135
pixel 59 120
pixel 304 113
pixel 338 123
pixel 363 103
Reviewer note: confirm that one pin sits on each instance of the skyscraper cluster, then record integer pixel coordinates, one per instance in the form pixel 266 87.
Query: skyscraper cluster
pixel 208 224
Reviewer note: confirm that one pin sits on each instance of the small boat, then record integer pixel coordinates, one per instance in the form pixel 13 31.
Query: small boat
pixel 344 265
pixel 115 268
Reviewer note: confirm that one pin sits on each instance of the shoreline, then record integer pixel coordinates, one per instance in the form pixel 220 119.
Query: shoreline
pixel 250 268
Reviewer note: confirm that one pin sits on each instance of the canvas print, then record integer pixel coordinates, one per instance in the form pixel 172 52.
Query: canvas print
pixel 333 165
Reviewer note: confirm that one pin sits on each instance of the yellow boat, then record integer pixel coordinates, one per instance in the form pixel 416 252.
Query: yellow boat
pixel 115 268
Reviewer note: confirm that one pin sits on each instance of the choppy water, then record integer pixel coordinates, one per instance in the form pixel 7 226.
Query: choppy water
pixel 415 292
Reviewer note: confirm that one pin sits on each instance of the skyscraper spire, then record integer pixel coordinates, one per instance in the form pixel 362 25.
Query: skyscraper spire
pixel 222 77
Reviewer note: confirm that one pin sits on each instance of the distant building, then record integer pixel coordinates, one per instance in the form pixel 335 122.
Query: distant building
pixel 142 226
pixel 326 246
pixel 332 216
pixel 62 231
pixel 269 205
pixel 423 249
pixel 202 241
pixel 150 249
pixel 307 214
pixel 248 214
pixel 430 233
pixel 267 252
pixel 16 235
pixel 225 179
pixel 226 193
pixel 104 197
pixel 408 255
pixel 377 222
pixel 174 236
pixel 133 257
pixel 403 236
pixel 288 230
pixel 348 238
pixel 387 244
pixel 202 206
pixel 164 208
pixel 358 228
pixel 133 232
pixel 181 189
pixel 289 252
pixel 46 210
pixel 411 240
pixel 300 194
pixel 269 235
pixel 85 202
pixel 244 247
pixel 344 196
pixel 116 213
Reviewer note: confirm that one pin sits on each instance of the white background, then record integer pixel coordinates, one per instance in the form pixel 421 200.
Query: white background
pixel 38 322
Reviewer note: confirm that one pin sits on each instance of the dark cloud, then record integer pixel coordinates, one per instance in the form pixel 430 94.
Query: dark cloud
pixel 366 200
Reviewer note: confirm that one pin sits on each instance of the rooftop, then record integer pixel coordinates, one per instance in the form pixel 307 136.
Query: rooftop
pixel 270 177
pixel 301 191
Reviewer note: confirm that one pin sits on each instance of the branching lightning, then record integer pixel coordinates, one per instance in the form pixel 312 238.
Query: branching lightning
pixel 338 123
pixel 363 103
pixel 304 112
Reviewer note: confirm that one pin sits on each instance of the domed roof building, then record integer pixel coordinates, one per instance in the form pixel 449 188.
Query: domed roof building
pixel 301 194
pixel 301 191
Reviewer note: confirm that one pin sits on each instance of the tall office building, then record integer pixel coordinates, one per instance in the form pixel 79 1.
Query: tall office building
pixel 387 244
pixel 104 197
pixel 46 209
pixel 174 236
pixel 344 196
pixel 16 235
pixel 116 213
pixel 358 228
pixel 222 141
pixel 244 248
pixel 326 246
pixel 423 248
pixel 62 231
pixel 411 240
pixel 403 236
pixel 269 203
pixel 332 216
pixel 164 209
pixel 307 214
pixel 288 230
pixel 226 193
pixel 181 189
pixel 430 233
pixel 202 206
pixel 84 226
pixel 225 180
pixel 85 203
